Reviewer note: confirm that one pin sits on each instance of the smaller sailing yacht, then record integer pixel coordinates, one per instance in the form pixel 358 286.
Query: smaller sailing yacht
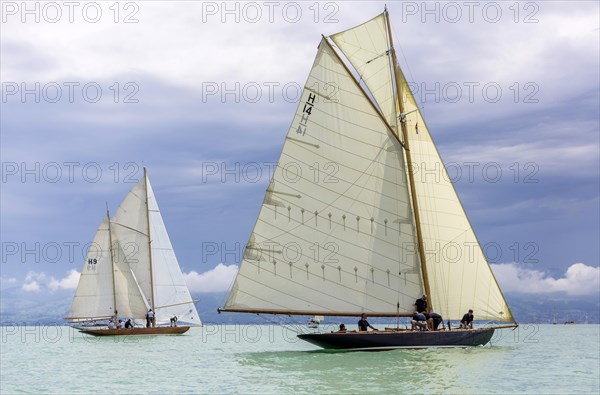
pixel 131 268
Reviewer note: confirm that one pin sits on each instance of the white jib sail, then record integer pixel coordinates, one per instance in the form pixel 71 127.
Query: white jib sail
pixel 171 294
pixel 335 233
pixel 460 277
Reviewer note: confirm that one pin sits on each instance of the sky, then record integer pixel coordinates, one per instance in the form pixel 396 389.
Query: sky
pixel 202 95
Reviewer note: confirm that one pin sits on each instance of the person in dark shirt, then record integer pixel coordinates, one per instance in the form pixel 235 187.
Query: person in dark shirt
pixel 467 320
pixel 421 304
pixel 419 321
pixel 363 324
pixel 434 320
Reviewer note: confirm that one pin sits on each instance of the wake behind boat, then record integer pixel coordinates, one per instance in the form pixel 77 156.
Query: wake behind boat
pixel 360 215
pixel 131 271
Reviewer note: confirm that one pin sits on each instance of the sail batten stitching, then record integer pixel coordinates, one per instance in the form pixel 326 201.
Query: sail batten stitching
pixel 332 237
pixel 315 289
pixel 350 258
pixel 379 209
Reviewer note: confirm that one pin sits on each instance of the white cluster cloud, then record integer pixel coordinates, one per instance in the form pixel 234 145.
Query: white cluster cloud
pixel 215 280
pixel 7 282
pixel 33 281
pixel 36 281
pixel 68 282
pixel 578 280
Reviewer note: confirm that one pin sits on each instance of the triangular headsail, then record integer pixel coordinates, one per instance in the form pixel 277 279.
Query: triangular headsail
pixel 459 275
pixel 335 221
pixel 171 294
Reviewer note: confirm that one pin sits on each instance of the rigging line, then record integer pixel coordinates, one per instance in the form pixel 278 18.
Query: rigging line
pixel 363 128
pixel 290 325
pixel 130 228
pixel 346 77
pixel 406 62
pixel 225 297
pixel 379 56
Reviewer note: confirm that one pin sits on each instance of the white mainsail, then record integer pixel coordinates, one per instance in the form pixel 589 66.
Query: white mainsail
pixel 129 299
pixel 335 231
pixel 94 297
pixel 350 245
pixel 139 271
pixel 130 230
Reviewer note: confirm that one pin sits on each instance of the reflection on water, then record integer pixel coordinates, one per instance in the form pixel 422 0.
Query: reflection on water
pixel 424 370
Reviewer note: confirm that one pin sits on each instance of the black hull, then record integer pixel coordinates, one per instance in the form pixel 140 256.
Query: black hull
pixel 361 341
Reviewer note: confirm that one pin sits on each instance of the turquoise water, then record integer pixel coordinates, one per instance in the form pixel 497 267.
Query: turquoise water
pixel 534 359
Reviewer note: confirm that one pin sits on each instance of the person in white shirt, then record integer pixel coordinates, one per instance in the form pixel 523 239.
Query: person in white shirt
pixel 149 318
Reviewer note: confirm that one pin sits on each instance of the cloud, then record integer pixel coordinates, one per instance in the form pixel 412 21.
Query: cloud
pixel 68 282
pixel 33 281
pixel 579 279
pixel 32 286
pixel 6 282
pixel 215 280
pixel 37 281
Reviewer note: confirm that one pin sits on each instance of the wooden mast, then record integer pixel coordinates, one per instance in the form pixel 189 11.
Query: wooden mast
pixel 112 261
pixel 149 247
pixel 406 145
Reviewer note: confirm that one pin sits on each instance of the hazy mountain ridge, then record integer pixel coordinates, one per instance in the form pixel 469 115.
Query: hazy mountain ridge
pixel 27 308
